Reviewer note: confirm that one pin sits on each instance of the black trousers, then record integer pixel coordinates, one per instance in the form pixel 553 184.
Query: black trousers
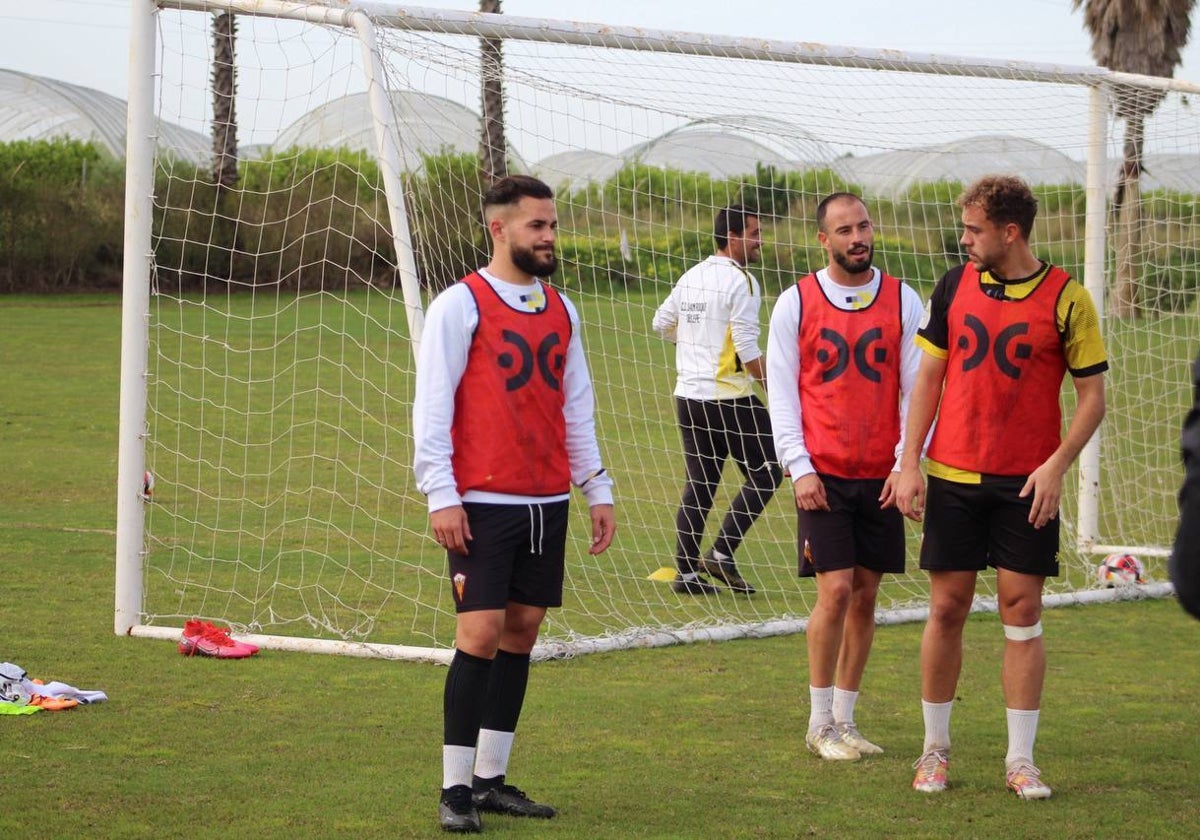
pixel 713 431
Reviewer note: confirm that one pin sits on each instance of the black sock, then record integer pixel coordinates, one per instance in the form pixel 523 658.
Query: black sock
pixel 507 682
pixel 463 700
pixel 479 785
pixel 506 686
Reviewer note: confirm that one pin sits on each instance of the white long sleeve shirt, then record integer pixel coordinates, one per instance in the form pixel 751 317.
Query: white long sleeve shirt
pixel 783 363
pixel 712 316
pixel 449 326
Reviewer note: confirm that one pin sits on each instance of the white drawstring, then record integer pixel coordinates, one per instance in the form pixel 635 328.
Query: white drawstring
pixel 539 529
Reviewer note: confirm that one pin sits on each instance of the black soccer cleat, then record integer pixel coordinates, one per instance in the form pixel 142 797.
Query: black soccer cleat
pixel 726 572
pixel 457 811
pixel 698 586
pixel 506 799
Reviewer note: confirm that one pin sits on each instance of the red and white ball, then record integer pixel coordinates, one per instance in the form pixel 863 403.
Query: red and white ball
pixel 1120 570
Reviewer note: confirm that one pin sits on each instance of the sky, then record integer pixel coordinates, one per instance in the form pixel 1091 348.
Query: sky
pixel 86 41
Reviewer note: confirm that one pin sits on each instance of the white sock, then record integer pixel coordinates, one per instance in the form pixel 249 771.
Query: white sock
pixel 457 765
pixel 491 758
pixel 937 724
pixel 1022 732
pixel 820 711
pixel 843 705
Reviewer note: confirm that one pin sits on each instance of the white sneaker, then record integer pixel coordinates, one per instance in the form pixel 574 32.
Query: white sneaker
pixel 826 742
pixel 852 737
pixel 1025 781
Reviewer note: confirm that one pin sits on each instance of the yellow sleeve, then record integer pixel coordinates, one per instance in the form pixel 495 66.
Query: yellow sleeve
pixel 1079 325
pixel 931 348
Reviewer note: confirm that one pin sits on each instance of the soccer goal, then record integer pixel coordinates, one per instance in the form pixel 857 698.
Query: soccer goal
pixel 275 281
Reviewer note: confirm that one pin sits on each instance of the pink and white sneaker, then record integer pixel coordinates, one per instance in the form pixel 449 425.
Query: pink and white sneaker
pixel 203 638
pixel 1025 780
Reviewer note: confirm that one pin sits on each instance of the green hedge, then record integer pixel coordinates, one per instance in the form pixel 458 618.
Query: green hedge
pixel 307 219
pixel 299 219
pixel 60 216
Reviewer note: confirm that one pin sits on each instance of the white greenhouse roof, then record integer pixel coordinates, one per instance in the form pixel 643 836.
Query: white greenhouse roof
pixel 37 108
pixel 426 124
pixel 726 146
pixel 576 169
pixel 1171 172
pixel 892 173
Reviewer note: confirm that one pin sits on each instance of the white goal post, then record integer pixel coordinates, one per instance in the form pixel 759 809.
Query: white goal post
pixel 269 327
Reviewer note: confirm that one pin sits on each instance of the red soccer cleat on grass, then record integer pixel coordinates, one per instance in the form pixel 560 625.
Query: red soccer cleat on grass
pixel 203 638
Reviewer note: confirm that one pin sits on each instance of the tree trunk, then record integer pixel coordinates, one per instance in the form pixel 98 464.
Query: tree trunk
pixel 224 235
pixel 225 152
pixel 493 150
pixel 1127 235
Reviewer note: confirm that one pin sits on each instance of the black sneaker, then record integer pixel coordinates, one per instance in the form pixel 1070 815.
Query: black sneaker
pixel 457 811
pixel 698 586
pixel 506 799
pixel 726 572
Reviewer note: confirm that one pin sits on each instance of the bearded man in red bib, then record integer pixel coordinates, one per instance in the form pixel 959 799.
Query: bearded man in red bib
pixel 503 420
pixel 841 362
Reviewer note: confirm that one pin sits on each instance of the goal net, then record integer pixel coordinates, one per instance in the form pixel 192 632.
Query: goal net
pixel 270 322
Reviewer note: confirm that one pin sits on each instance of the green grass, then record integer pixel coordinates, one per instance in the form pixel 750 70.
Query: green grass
pixel 695 741
pixel 280 438
pixel 282 447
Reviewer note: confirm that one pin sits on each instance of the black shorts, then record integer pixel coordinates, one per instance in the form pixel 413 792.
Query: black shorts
pixel 969 527
pixel 855 531
pixel 516 554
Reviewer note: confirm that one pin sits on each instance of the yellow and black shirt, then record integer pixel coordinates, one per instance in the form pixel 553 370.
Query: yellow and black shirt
pixel 1008 344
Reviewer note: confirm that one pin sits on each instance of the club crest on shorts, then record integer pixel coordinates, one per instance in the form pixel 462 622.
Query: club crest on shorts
pixel 460 583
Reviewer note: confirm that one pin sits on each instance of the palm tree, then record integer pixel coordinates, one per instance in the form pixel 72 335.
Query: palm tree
pixel 493 151
pixel 225 152
pixel 223 240
pixel 1145 37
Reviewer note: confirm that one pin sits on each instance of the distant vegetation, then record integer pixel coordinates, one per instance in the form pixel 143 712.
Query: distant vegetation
pixel 307 219
pixel 61 206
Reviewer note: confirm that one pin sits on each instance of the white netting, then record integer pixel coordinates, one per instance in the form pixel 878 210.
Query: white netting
pixel 281 368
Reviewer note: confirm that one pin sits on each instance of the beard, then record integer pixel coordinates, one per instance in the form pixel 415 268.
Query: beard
pixel 535 262
pixel 981 263
pixel 855 264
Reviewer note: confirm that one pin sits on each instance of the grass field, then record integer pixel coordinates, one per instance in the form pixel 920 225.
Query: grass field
pixel 698 741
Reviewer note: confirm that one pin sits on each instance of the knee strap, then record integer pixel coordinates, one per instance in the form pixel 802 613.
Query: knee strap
pixel 1022 634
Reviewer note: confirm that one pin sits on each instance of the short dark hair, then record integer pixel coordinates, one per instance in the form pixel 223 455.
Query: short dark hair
pixel 513 188
pixel 731 219
pixel 1004 199
pixel 823 207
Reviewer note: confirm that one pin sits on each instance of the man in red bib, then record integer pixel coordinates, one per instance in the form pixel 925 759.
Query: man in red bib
pixel 503 421
pixel 841 362
pixel 1000 334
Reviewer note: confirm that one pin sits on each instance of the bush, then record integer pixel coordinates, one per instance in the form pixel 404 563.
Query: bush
pixel 60 216
pixel 444 204
pixel 300 219
pixel 317 219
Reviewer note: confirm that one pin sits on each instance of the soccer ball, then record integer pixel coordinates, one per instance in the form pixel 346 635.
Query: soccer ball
pixel 1120 570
